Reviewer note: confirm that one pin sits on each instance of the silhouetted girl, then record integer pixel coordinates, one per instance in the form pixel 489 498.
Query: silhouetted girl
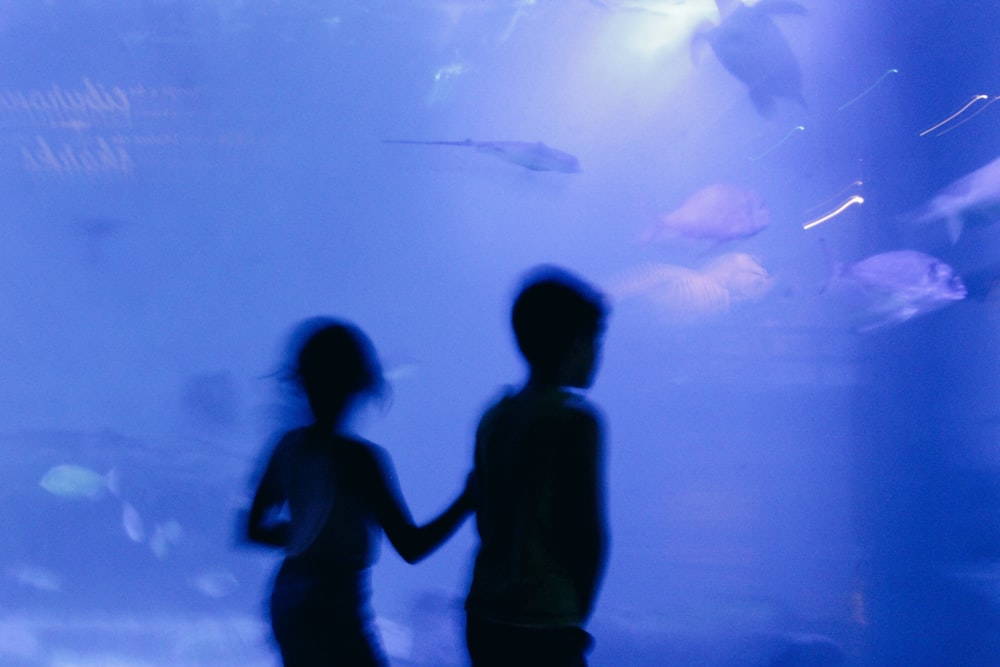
pixel 325 497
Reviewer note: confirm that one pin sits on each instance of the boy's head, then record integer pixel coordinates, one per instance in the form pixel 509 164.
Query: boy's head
pixel 558 320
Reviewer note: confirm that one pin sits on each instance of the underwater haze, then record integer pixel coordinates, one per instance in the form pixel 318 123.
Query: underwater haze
pixel 794 208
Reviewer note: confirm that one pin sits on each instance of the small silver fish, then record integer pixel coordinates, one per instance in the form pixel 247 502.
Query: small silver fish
pixel 132 523
pixel 535 156
pixel 214 584
pixel 164 537
pixel 39 578
pixel 976 193
pixel 716 213
pixel 74 481
pixel 900 285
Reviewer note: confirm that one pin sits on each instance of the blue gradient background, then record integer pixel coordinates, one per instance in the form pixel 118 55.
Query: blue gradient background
pixel 776 480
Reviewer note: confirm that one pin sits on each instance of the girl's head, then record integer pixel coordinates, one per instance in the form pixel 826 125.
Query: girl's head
pixel 334 364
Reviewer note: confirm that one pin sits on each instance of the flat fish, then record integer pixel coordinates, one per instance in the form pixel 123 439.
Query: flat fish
pixel 74 481
pixel 900 285
pixel 740 274
pixel 535 156
pixel 685 295
pixel 716 213
pixel 680 293
pixel 752 48
pixel 974 196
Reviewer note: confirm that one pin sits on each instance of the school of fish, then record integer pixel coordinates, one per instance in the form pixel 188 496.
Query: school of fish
pixel 74 482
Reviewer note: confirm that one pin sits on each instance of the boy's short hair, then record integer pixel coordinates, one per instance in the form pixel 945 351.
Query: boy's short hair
pixel 553 309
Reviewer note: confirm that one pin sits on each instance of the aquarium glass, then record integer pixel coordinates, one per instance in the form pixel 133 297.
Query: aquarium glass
pixel 791 206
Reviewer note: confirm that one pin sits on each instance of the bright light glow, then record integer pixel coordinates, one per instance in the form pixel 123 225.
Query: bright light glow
pixel 649 29
pixel 642 51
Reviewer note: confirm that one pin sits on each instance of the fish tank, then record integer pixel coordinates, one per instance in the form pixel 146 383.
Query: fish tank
pixel 791 206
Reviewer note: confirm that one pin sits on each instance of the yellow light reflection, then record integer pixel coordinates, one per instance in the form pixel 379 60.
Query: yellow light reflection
pixel 851 201
pixel 858 183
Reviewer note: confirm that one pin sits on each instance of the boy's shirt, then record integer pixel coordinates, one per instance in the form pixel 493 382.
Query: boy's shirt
pixel 540 510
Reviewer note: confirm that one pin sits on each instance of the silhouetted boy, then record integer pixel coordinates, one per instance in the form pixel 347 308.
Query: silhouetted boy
pixel 538 471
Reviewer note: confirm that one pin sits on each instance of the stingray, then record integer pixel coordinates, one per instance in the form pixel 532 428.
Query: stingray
pixel 535 156
pixel 751 47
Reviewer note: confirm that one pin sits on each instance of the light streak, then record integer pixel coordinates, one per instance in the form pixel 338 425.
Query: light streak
pixel 970 117
pixel 851 201
pixel 869 88
pixel 954 115
pixel 853 184
pixel 797 128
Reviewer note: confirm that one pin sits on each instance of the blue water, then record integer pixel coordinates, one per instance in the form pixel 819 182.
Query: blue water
pixel 184 180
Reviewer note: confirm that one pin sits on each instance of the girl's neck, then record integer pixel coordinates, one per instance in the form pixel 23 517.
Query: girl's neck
pixel 544 382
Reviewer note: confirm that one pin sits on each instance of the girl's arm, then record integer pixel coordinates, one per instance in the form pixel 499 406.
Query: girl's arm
pixel 411 541
pixel 263 526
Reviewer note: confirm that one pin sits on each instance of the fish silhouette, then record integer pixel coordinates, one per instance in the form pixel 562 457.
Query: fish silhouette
pixel 39 578
pixel 975 196
pixel 73 481
pixel 215 584
pixel 899 285
pixel 132 523
pixel 535 156
pixel 164 537
pixel 716 213
pixel 751 47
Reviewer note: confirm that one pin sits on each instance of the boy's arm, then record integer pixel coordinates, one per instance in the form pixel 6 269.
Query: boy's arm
pixel 586 512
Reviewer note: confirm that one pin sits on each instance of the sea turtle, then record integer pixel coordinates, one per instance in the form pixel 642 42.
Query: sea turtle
pixel 748 44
